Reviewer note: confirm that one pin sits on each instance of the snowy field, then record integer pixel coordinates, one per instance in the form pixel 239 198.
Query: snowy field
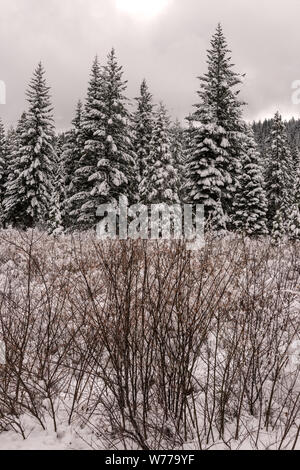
pixel 132 345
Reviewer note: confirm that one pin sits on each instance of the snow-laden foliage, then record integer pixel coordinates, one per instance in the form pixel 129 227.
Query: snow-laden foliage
pixel 110 153
pixel 88 140
pixel 178 145
pixel 29 187
pixel 106 167
pixel 293 222
pixel 293 214
pixel 280 173
pixel 3 170
pixel 279 227
pixel 13 195
pixel 160 181
pixel 206 170
pixel 250 204
pixel 143 122
pixel 57 213
pixel 117 170
pixel 71 155
pixel 221 110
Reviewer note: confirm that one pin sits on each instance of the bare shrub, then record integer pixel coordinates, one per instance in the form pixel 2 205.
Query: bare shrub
pixel 149 345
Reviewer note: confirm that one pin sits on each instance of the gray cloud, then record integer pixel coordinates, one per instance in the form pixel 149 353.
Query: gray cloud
pixel 169 50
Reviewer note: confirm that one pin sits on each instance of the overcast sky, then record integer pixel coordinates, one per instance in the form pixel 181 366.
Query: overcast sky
pixel 167 48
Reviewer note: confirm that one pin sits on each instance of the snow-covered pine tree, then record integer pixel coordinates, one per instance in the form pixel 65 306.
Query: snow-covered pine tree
pixel 72 149
pixel 3 170
pixel 72 152
pixel 143 121
pixel 217 131
pixel 106 167
pixel 293 214
pixel 10 147
pixel 217 220
pixel 280 174
pixel 293 222
pixel 187 142
pixel 278 231
pixel 58 194
pixel 82 203
pixel 10 142
pixel 220 86
pixel 205 171
pixel 250 204
pixel 32 184
pixel 160 182
pixel 177 149
pixel 14 202
pixel 116 173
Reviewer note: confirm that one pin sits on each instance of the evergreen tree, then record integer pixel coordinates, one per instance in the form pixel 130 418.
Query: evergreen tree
pixel 29 191
pixel 143 122
pixel 214 161
pixel 10 140
pixel 187 147
pixel 14 205
pixel 160 182
pixel 263 131
pixel 250 206
pixel 117 175
pixel 296 190
pixel 3 170
pixel 219 92
pixel 206 174
pixel 279 226
pixel 217 221
pixel 177 149
pixel 280 174
pixel 72 152
pixel 293 222
pixel 106 167
pixel 57 214
pixel 89 144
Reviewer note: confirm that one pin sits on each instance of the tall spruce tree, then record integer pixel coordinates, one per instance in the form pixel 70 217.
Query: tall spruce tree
pixel 83 202
pixel 220 86
pixel 30 188
pixel 143 121
pixel 116 175
pixel 160 182
pixel 280 174
pixel 214 161
pixel 106 168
